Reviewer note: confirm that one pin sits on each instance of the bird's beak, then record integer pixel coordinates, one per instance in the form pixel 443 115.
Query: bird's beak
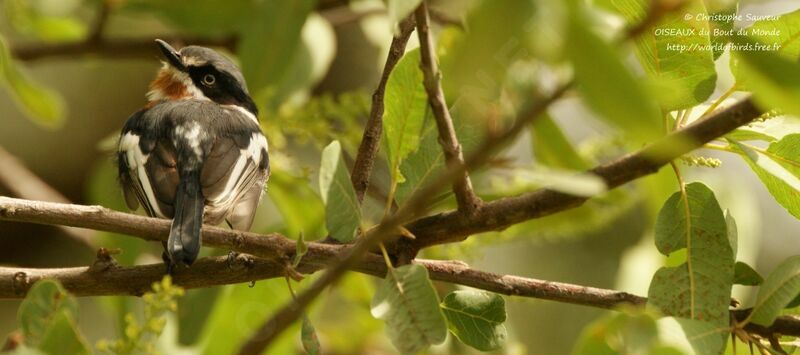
pixel 171 54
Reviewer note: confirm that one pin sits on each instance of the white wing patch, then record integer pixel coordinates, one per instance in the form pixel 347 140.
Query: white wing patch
pixel 243 111
pixel 243 175
pixel 135 159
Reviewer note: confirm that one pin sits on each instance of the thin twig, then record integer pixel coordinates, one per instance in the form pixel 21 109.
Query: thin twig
pixel 21 182
pixel 468 202
pixel 370 141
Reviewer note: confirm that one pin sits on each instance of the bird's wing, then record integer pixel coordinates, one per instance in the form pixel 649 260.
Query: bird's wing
pixel 233 167
pixel 147 168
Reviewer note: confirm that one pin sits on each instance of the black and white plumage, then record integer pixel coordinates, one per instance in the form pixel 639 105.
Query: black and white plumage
pixel 195 153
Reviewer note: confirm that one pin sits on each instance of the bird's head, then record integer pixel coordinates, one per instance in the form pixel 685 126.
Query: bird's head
pixel 199 73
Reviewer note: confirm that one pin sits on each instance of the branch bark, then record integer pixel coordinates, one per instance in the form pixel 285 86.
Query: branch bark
pixel 454 226
pixel 442 228
pixel 370 141
pixel 468 202
pixel 106 278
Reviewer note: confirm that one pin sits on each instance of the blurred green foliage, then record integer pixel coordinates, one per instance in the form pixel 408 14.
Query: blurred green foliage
pixel 499 56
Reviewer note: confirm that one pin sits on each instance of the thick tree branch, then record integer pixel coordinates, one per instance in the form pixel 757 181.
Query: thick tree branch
pixel 454 226
pixel 429 231
pixel 106 278
pixel 462 186
pixel 370 141
pixel 21 182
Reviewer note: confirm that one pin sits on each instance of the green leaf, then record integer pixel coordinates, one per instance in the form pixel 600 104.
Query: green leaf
pixel 782 32
pixel 773 79
pixel 300 206
pixel 63 337
pixel 721 22
pixel 313 57
pixel 342 211
pixel 745 275
pixel 514 181
pixel 400 9
pixel 44 106
pixel 48 24
pixel 744 134
pixel 475 66
pixel 300 250
pixel 680 67
pixel 406 105
pixel 623 104
pixel 239 311
pixel 733 233
pixel 627 332
pixel 270 42
pixel 700 288
pixel 407 302
pixel 424 165
pixel 308 336
pixel 41 307
pixel 552 148
pixel 200 17
pixel 705 337
pixel 476 318
pixel 778 290
pixel 778 167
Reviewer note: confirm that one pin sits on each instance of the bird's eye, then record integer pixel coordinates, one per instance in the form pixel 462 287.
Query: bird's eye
pixel 209 79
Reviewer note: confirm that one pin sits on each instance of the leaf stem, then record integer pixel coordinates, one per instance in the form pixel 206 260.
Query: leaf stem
pixel 386 257
pixel 719 101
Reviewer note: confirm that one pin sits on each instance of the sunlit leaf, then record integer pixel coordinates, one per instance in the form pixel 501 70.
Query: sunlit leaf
pixel 28 17
pixel 624 104
pixel 423 166
pixel 270 42
pixel 676 54
pixel 407 302
pixel 781 286
pixel 63 336
pixel 203 17
pixel 399 9
pixel 299 205
pixel 773 79
pixel 620 333
pixel 733 233
pixel 342 210
pixel 313 57
pixel 745 275
pixel 406 105
pixel 700 288
pixel 720 26
pixel 44 106
pixel 239 311
pixel 552 148
pixel 778 167
pixel 44 302
pixel 517 180
pixel 476 318
pixel 705 337
pixel 475 65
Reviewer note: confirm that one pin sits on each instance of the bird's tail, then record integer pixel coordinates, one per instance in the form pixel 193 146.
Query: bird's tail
pixel 183 244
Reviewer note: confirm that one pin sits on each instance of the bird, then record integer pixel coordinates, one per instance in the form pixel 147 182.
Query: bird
pixel 195 152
